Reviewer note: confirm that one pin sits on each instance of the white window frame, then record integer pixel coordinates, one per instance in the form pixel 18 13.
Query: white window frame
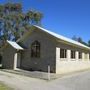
pixel 79 55
pixel 73 52
pixel 64 53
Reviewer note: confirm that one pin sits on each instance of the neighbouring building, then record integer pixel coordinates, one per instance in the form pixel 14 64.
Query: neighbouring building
pixel 40 48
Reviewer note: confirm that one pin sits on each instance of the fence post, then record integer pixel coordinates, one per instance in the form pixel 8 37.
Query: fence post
pixel 48 72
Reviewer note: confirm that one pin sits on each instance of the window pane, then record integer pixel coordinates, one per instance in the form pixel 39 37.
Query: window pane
pixel 80 55
pixel 63 53
pixel 35 49
pixel 72 54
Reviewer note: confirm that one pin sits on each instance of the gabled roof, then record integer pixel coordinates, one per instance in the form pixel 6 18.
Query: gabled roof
pixel 15 45
pixel 62 37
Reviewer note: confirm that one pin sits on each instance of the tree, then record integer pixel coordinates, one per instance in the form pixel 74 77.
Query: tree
pixel 79 39
pixel 89 43
pixel 74 38
pixel 14 23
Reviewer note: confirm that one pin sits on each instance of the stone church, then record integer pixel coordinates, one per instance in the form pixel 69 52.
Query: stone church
pixel 40 48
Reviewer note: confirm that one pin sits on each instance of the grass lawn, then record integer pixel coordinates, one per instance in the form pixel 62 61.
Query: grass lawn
pixel 4 87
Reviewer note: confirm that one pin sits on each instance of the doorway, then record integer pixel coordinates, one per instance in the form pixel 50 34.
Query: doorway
pixel 17 60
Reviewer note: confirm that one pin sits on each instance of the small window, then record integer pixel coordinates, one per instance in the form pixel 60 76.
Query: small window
pixel 63 53
pixel 80 55
pixel 72 54
pixel 35 49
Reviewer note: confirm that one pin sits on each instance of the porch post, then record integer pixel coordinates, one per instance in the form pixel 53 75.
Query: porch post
pixel 57 59
pixel 88 56
pixel 68 54
pixel 77 53
pixel 83 56
pixel 57 53
pixel 15 61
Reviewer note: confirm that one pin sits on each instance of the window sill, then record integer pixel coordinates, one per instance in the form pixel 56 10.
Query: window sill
pixel 73 59
pixel 79 59
pixel 63 59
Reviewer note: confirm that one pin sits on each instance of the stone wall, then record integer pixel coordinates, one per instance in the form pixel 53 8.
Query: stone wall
pixel 48 52
pixel 8 57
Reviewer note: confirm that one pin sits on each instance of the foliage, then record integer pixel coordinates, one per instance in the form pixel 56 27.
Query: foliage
pixel 74 38
pixel 79 39
pixel 89 43
pixel 14 23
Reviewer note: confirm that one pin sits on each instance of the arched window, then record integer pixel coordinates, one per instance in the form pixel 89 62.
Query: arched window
pixel 35 49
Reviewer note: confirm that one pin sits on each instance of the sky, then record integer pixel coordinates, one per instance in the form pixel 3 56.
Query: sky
pixel 65 17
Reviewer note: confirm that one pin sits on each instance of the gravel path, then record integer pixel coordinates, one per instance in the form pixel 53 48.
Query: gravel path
pixel 79 81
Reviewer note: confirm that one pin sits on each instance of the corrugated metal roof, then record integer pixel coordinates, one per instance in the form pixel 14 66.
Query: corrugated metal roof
pixel 15 45
pixel 62 37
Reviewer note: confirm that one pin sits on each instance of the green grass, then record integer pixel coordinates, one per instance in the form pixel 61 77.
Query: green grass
pixel 4 87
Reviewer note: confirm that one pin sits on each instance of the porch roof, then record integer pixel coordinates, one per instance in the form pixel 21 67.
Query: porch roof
pixel 15 45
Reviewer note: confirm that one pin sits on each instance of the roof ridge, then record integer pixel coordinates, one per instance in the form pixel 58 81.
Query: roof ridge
pixel 63 38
